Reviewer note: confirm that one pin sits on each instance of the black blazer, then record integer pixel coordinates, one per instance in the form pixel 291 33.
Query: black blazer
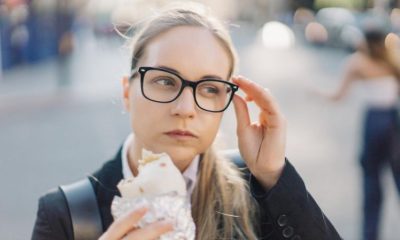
pixel 287 211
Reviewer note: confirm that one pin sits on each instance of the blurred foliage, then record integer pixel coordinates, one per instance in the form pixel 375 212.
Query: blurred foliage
pixel 351 4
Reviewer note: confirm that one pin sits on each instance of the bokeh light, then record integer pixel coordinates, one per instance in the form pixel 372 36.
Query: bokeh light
pixel 392 41
pixel 276 35
pixel 316 33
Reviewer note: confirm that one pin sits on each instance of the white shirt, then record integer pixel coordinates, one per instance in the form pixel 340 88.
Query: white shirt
pixel 190 174
pixel 381 92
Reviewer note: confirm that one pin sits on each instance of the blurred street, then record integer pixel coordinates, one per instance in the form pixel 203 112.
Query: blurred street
pixel 81 116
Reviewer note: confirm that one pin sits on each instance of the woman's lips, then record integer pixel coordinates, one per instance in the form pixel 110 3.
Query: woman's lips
pixel 181 134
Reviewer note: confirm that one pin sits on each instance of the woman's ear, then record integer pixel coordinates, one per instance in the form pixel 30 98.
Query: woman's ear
pixel 125 92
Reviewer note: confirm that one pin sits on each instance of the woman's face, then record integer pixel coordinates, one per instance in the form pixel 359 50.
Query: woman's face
pixel 194 53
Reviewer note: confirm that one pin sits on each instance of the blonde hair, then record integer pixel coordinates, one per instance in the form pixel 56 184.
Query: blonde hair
pixel 222 207
pixel 174 15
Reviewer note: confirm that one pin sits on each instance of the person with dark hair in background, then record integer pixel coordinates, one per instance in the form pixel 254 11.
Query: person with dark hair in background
pixel 379 74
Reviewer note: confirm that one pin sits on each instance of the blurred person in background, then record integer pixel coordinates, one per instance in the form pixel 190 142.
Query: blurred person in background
pixel 22 38
pixel 64 21
pixel 378 73
pixel 181 117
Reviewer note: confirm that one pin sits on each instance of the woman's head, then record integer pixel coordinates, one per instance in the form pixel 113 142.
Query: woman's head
pixel 375 43
pixel 189 44
pixel 377 49
pixel 190 14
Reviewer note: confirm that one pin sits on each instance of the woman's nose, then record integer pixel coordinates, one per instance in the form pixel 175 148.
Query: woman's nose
pixel 184 106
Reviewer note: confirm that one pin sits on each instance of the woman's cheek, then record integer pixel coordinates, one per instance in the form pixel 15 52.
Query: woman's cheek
pixel 210 130
pixel 141 115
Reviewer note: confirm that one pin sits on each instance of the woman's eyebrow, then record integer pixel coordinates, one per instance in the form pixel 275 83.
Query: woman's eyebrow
pixel 168 69
pixel 212 76
pixel 177 72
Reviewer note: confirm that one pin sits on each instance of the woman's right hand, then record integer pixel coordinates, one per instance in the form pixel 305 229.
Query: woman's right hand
pixel 126 227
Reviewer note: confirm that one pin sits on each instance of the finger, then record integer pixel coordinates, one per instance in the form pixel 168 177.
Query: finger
pixel 262 97
pixel 152 231
pixel 263 119
pixel 126 223
pixel 248 98
pixel 242 112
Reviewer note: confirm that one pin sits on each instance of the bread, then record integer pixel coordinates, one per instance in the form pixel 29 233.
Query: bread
pixel 157 175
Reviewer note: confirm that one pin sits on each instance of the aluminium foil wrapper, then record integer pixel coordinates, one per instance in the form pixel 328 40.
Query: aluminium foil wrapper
pixel 169 206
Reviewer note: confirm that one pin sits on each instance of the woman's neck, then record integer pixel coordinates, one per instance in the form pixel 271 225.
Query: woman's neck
pixel 133 158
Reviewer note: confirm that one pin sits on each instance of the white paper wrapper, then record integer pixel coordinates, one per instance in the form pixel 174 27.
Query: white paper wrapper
pixel 167 206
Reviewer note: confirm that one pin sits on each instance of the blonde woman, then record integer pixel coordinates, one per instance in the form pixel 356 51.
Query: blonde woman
pixel 378 73
pixel 188 54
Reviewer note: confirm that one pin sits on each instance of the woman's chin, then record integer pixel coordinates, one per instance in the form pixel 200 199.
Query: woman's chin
pixel 182 157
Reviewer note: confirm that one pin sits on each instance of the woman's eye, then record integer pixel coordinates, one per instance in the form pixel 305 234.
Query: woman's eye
pixel 210 90
pixel 165 82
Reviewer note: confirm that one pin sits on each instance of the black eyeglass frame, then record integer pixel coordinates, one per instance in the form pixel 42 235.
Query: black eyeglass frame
pixel 185 83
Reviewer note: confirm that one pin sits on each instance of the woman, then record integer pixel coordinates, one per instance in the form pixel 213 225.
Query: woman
pixel 379 75
pixel 181 82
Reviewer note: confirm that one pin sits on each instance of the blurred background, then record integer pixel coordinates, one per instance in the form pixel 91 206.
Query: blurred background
pixel 61 114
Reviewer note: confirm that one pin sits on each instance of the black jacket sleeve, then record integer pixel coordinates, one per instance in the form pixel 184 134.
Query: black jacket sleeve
pixel 51 221
pixel 288 211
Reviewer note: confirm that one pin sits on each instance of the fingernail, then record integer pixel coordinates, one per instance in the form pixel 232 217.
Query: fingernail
pixel 142 205
pixel 168 222
pixel 141 209
pixel 236 81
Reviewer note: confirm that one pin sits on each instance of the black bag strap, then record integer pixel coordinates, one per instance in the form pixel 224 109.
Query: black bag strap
pixel 84 210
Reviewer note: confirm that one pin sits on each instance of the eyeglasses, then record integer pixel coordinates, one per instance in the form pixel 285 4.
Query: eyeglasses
pixel 164 86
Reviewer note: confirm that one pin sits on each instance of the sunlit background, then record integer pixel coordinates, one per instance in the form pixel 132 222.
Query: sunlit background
pixel 61 114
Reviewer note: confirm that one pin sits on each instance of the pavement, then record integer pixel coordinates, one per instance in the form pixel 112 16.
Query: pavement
pixel 52 113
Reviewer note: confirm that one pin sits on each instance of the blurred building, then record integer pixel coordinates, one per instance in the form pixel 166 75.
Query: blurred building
pixel 33 30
